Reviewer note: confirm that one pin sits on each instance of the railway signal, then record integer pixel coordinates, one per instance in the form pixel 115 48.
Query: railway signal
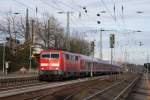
pixel 92 46
pixel 140 44
pixel 92 50
pixel 112 43
pixel 112 40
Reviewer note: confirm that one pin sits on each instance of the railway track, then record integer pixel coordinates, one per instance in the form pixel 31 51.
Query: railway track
pixel 88 91
pixel 72 90
pixel 14 83
pixel 120 89
pixel 124 93
pixel 21 86
pixel 31 89
pixel 81 89
pixel 17 81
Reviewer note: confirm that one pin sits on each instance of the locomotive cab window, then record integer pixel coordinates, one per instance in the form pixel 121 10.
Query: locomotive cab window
pixel 54 55
pixel 45 55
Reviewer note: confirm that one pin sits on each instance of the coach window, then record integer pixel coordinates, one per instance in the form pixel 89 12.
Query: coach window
pixel 70 57
pixel 76 58
pixel 86 64
pixel 73 58
pixel 67 56
pixel 89 65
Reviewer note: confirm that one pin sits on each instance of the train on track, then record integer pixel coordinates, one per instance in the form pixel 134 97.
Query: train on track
pixel 59 64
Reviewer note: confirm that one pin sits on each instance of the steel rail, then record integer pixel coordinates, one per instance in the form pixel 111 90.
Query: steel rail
pixel 126 88
pixel 68 97
pixel 101 91
pixel 40 87
pixel 22 85
pixel 17 81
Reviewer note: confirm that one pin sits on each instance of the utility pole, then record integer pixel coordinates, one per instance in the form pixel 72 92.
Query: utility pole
pixel 27 26
pixel 112 44
pixel 101 44
pixel 3 58
pixel 147 63
pixel 111 56
pixel 10 37
pixel 125 59
pixel 48 33
pixel 68 30
pixel 68 25
pixel 125 56
pixel 33 32
pixel 36 26
pixel 92 50
pixel 30 58
pixel 32 40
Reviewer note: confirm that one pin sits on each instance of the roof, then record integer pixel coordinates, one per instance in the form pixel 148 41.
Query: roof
pixel 88 58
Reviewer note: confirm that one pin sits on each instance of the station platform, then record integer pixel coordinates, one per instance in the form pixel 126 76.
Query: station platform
pixel 19 74
pixel 142 89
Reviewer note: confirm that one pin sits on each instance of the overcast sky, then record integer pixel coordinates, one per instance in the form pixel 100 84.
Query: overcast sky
pixel 125 25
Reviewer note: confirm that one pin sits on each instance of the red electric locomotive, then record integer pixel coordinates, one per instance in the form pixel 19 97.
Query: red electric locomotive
pixel 61 64
pixel 58 64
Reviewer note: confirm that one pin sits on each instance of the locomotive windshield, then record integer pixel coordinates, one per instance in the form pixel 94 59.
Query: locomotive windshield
pixel 45 55
pixel 54 55
pixel 50 55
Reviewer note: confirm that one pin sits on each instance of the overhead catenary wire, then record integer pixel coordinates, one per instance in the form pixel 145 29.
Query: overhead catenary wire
pixel 75 22
pixel 112 16
pixel 78 10
pixel 107 9
pixel 50 5
pixel 122 10
pixel 36 10
pixel 114 8
pixel 26 6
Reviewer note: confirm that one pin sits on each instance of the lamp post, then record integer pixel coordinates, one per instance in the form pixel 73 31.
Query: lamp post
pixel 147 63
pixel 16 13
pixel 30 58
pixel 92 49
pixel 67 26
pixel 14 29
pixel 4 58
pixel 68 22
pixel 101 44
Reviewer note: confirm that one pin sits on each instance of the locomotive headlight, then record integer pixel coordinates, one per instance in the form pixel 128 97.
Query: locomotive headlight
pixel 55 64
pixel 44 64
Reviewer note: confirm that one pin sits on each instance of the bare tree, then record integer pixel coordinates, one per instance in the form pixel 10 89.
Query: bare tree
pixel 49 33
